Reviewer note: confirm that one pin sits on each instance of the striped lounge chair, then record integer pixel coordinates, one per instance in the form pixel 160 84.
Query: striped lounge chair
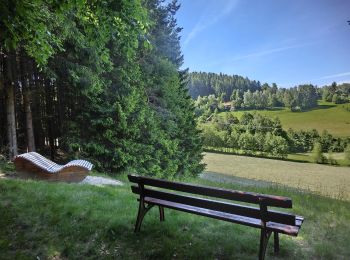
pixel 35 166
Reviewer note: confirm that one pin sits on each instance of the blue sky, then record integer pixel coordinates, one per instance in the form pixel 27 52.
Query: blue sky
pixel 289 42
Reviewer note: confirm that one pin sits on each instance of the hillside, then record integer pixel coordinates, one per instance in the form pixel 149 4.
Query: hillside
pixel 335 118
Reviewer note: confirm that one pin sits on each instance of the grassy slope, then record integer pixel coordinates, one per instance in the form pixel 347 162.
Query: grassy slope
pixel 327 180
pixel 80 221
pixel 330 117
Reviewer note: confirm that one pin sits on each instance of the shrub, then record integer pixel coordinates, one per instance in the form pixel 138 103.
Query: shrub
pixel 331 159
pixel 347 154
pixel 317 155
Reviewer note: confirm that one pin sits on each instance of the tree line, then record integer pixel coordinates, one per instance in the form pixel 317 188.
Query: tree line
pixel 220 85
pixel 337 94
pixel 99 80
pixel 219 91
pixel 256 134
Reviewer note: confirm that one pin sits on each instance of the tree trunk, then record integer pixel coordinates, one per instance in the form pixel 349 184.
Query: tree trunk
pixel 50 117
pixel 10 109
pixel 27 107
pixel 29 120
pixel 11 121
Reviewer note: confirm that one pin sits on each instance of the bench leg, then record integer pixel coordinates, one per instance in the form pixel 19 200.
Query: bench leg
pixel 161 213
pixel 264 239
pixel 276 242
pixel 141 213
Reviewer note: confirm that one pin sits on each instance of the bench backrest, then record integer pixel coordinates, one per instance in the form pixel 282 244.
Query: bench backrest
pixel 249 197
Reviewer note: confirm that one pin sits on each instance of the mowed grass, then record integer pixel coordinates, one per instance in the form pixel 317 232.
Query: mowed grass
pixel 322 179
pixel 42 220
pixel 327 116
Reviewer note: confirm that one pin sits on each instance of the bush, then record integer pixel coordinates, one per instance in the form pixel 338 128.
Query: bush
pixel 347 154
pixel 276 146
pixel 331 159
pixel 317 155
pixel 246 142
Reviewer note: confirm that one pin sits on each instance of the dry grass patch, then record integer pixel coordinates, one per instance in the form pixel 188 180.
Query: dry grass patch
pixel 323 179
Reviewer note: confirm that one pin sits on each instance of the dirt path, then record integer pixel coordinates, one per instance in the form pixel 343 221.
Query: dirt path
pixel 100 181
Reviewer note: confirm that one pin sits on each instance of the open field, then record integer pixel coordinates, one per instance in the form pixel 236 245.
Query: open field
pixel 338 158
pixel 42 220
pixel 328 116
pixel 322 179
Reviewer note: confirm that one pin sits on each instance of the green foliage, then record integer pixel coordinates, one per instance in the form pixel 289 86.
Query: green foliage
pixel 347 154
pixel 252 134
pixel 39 33
pixel 247 94
pixel 276 146
pixel 317 154
pixel 303 140
pixel 205 84
pixel 327 116
pixel 331 159
pixel 257 134
pixel 337 94
pixel 111 89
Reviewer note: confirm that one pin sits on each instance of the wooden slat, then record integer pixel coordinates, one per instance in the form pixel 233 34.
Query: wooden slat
pixel 299 220
pixel 231 208
pixel 50 166
pixel 250 197
pixel 206 212
pixel 285 229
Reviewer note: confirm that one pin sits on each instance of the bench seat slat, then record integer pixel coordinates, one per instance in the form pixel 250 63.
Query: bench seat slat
pixel 221 206
pixel 253 222
pixel 250 197
pixel 299 220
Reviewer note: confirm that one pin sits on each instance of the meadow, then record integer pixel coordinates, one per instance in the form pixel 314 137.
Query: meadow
pixel 42 220
pixel 321 179
pixel 335 118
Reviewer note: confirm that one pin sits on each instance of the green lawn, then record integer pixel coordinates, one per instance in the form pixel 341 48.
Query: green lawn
pixel 42 220
pixel 328 116
pixel 323 179
pixel 58 221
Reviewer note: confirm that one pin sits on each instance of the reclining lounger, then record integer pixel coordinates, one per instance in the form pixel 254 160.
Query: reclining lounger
pixel 35 166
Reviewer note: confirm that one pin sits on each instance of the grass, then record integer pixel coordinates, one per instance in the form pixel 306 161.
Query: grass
pixel 322 179
pixel 327 116
pixel 338 159
pixel 71 221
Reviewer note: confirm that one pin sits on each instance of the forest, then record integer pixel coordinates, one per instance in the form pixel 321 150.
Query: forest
pixel 99 80
pixel 221 92
pixel 255 134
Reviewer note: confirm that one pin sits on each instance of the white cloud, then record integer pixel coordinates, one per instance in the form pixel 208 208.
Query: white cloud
pixel 229 61
pixel 207 20
pixel 321 79
pixel 267 52
pixel 338 75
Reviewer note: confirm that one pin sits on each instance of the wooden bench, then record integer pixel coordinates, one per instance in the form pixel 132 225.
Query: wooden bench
pixel 35 166
pixel 268 221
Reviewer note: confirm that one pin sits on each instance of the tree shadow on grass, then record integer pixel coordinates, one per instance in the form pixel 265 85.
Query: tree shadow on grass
pixel 319 107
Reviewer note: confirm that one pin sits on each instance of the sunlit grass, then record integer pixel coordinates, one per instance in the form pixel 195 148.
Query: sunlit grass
pixel 328 116
pixel 42 220
pixel 323 179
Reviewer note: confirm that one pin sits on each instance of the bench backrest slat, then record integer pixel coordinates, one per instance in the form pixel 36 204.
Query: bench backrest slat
pixel 249 197
pixel 221 206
